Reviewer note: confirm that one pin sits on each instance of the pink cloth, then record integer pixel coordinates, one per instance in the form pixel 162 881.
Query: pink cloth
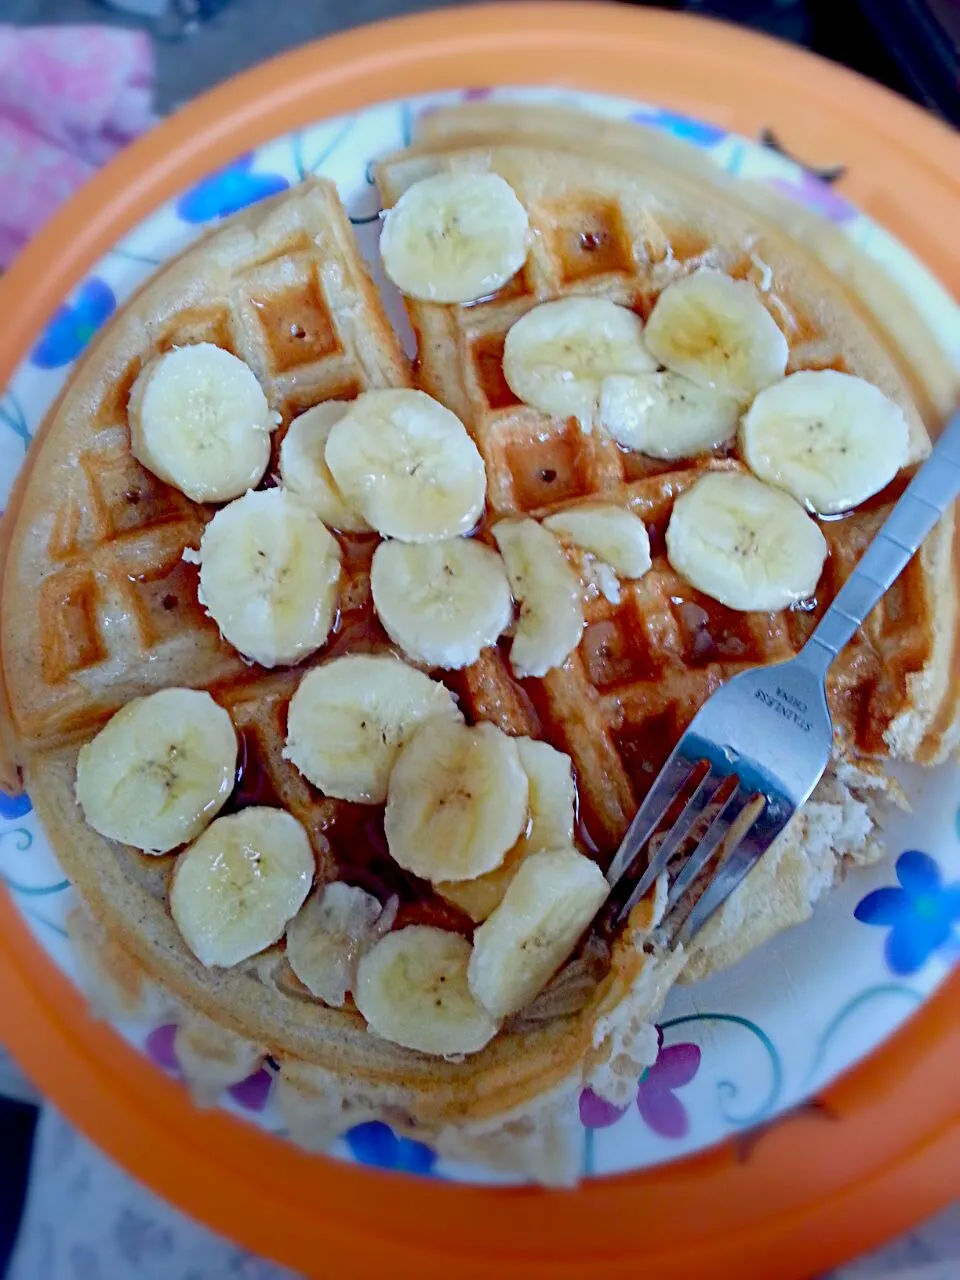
pixel 69 98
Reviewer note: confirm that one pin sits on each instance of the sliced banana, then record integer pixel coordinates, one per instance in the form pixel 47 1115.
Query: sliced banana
pixel 557 355
pixel 457 800
pixel 617 536
pixel 327 937
pixel 200 421
pixel 455 237
pixel 269 576
pixel 548 591
pixel 548 905
pixel 715 331
pixel 409 465
pixel 830 439
pixel 550 826
pixel 412 989
pixel 159 770
pixel 441 602
pixel 746 544
pixel 304 470
pixel 349 718
pixel 236 887
pixel 665 415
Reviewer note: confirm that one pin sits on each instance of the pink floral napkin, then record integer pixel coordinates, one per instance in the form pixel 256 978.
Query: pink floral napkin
pixel 69 98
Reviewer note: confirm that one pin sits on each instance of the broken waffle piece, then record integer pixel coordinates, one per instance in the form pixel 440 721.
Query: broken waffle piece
pixel 441 602
pixel 548 591
pixel 409 465
pixel 715 331
pixel 546 909
pixel 455 237
pixel 235 889
pixel 556 357
pixel 746 544
pixel 269 576
pixel 412 989
pixel 349 718
pixel 830 439
pixel 199 420
pixel 159 771
pixel 457 800
pixel 330 933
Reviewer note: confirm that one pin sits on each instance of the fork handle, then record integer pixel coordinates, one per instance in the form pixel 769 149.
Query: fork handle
pixel 924 501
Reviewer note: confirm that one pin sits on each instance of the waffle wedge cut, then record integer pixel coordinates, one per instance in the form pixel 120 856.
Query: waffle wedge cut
pixel 619 213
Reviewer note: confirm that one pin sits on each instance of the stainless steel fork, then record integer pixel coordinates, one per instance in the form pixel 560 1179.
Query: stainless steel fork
pixel 758 747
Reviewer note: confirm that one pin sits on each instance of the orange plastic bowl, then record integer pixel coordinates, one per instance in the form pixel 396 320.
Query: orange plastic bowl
pixel 881 1148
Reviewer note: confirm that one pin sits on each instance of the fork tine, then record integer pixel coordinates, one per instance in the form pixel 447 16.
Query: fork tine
pixel 674 774
pixel 750 839
pixel 674 838
pixel 717 831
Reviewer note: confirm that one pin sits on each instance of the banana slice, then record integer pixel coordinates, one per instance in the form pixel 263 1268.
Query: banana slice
pixel 349 718
pixel 552 816
pixel 412 989
pixel 200 421
pixel 441 602
pixel 750 546
pixel 408 464
pixel 548 591
pixel 269 576
pixel 235 888
pixel 665 415
pixel 715 331
pixel 304 470
pixel 457 800
pixel 830 439
pixel 159 770
pixel 557 355
pixel 614 534
pixel 326 939
pixel 455 237
pixel 548 905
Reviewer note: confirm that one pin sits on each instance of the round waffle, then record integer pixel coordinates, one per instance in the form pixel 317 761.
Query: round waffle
pixel 105 602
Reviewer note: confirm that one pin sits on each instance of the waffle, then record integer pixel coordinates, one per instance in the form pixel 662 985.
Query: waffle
pixel 98 607
pixel 618 214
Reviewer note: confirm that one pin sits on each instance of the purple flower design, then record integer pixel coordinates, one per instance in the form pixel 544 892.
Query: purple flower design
pixel 251 1094
pixel 699 132
pixel 920 914
pixel 228 190
pixel 660 1109
pixel 74 324
pixel 808 190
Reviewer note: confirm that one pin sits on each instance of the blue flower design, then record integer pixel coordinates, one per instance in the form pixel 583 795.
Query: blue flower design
pixel 74 325
pixel 376 1144
pixel 920 914
pixel 227 190
pixel 698 132
pixel 14 807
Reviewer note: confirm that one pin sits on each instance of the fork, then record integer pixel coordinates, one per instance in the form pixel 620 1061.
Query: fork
pixel 756 749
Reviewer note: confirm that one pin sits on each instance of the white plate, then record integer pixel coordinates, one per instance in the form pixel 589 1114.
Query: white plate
pixel 738 1048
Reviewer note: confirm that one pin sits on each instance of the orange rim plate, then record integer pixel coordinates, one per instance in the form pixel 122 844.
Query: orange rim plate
pixel 875 1152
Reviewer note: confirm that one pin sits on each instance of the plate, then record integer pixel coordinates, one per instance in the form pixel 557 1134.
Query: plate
pixel 737 1051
